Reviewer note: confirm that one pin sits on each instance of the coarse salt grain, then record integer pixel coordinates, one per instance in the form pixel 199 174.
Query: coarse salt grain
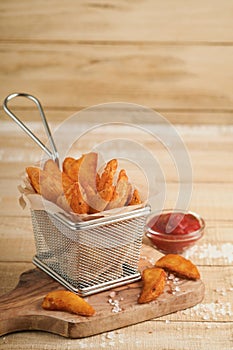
pixel 112 294
pixel 211 251
pixel 171 276
pixel 116 305
pixel 210 311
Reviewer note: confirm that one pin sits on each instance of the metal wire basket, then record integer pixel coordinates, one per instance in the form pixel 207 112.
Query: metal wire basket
pixel 85 256
pixel 89 257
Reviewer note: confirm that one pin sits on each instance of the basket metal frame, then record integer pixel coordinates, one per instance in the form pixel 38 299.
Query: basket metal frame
pixel 73 228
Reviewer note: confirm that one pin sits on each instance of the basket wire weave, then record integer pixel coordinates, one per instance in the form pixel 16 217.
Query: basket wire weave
pixel 89 258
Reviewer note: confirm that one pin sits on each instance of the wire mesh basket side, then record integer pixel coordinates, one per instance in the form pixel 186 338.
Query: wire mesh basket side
pixel 92 256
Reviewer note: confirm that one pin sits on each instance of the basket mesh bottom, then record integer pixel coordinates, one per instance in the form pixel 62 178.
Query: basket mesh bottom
pixel 91 256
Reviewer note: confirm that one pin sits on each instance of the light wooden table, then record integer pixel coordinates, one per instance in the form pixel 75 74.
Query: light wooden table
pixel 175 57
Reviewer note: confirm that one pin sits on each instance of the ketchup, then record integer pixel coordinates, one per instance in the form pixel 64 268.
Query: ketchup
pixel 175 223
pixel 172 232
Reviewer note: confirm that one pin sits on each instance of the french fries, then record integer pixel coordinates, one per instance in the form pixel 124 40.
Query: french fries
pixel 80 188
pixel 64 300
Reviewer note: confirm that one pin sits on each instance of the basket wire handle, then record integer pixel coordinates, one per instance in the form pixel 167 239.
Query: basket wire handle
pixel 52 154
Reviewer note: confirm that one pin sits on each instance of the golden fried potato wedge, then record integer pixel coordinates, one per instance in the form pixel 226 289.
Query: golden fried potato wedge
pixel 178 265
pixel 73 170
pixel 71 167
pixel 75 199
pixel 154 280
pixel 106 179
pixel 34 175
pixel 107 194
pixel 122 191
pixel 67 162
pixel 66 182
pixel 80 185
pixel 64 300
pixel 135 198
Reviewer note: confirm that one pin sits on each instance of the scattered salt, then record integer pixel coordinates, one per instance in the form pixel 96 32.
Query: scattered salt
pixel 110 335
pixel 210 311
pixel 115 305
pixel 112 294
pixel 171 276
pixel 211 251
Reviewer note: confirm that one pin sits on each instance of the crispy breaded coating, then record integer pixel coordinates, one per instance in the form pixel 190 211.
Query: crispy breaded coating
pixel 71 167
pixel 34 177
pixel 178 265
pixel 135 198
pixel 154 280
pixel 80 188
pixel 64 300
pixel 122 191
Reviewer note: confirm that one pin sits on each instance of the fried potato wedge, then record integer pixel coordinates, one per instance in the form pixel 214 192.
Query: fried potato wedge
pixel 122 191
pixel 107 177
pixel 75 199
pixel 66 182
pixel 80 188
pixel 71 167
pixel 34 177
pixel 104 183
pixel 178 265
pixel 135 198
pixel 154 280
pixel 67 162
pixel 64 300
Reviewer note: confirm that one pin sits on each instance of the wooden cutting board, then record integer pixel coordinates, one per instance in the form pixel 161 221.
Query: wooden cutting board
pixel 21 308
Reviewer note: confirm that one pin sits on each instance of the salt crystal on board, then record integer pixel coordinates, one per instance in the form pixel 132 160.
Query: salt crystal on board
pixel 112 294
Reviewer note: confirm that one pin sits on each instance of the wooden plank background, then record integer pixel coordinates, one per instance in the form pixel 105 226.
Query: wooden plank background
pixel 175 57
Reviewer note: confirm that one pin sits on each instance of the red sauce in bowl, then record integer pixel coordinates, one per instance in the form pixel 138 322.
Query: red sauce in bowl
pixel 174 232
pixel 176 223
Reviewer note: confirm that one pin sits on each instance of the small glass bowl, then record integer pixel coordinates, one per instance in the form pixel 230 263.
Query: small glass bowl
pixel 173 243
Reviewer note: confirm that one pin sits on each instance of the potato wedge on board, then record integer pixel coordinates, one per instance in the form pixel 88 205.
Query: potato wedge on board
pixel 178 265
pixel 64 300
pixel 154 280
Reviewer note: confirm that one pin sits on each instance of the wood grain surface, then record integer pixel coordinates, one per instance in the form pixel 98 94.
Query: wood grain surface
pixel 172 56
